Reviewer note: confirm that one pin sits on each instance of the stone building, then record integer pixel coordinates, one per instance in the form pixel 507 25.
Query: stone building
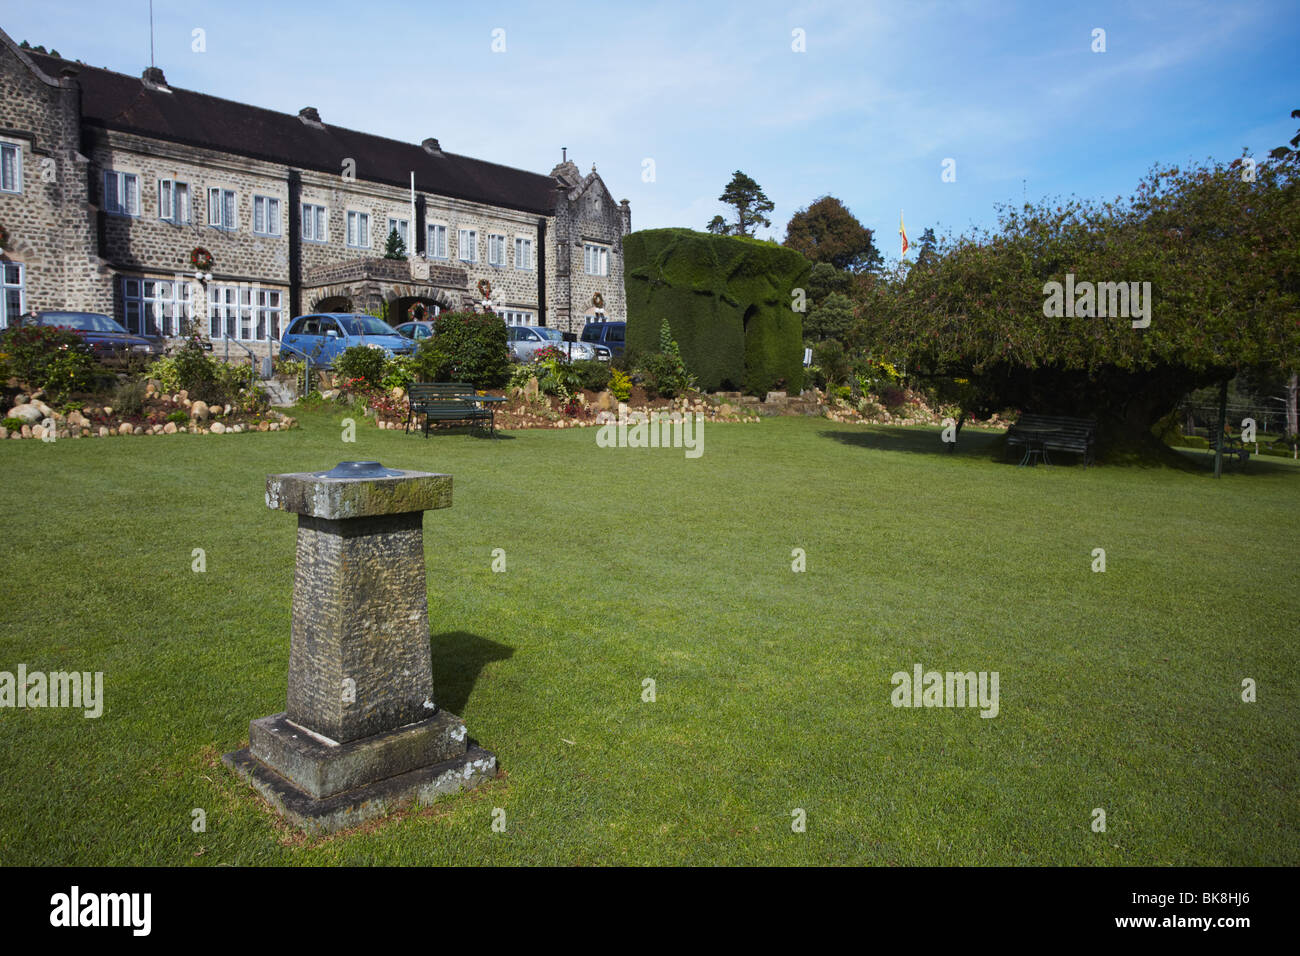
pixel 116 190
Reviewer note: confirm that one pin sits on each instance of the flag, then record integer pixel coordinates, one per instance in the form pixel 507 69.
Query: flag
pixel 902 231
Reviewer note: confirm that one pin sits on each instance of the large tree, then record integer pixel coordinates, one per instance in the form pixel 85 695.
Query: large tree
pixel 1219 249
pixel 751 205
pixel 827 232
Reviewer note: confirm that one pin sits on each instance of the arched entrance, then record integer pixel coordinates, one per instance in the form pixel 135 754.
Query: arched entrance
pixel 414 309
pixel 333 303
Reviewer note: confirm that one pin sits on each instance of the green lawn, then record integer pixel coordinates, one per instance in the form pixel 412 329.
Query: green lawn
pixel 1119 690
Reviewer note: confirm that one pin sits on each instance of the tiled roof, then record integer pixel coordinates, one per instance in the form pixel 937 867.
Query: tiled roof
pixel 116 101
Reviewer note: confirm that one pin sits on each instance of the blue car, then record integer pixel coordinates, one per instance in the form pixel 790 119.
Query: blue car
pixel 325 335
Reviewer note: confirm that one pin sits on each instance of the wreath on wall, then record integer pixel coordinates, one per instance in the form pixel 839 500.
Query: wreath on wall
pixel 485 288
pixel 4 237
pixel 417 312
pixel 598 301
pixel 200 259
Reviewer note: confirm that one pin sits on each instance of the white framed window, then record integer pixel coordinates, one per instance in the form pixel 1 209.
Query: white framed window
pixel 266 215
pixel 496 250
pixel 121 193
pixel 518 317
pixel 269 314
pixel 315 223
pixel 244 313
pixel 403 227
pixel 155 306
pixel 435 245
pixel 222 211
pixel 524 254
pixel 14 291
pixel 11 168
pixel 359 230
pixel 174 201
pixel 595 259
pixel 467 245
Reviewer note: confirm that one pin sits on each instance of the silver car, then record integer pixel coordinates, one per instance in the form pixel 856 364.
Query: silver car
pixel 526 340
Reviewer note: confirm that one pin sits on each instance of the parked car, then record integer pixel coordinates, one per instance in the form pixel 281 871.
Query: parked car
pixel 526 340
pixel 418 330
pixel 325 335
pixel 112 343
pixel 609 334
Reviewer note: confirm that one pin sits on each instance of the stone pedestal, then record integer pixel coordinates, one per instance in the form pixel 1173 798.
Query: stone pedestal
pixel 361 734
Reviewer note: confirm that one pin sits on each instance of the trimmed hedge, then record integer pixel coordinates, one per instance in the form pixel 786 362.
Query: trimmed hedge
pixel 727 300
pixel 468 347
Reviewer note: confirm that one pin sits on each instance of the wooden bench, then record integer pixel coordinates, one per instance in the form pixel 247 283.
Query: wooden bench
pixel 1232 446
pixel 1054 433
pixel 447 402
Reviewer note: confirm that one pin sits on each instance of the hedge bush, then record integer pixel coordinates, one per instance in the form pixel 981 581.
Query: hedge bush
pixel 30 350
pixel 593 376
pixel 362 362
pixel 728 301
pixel 469 347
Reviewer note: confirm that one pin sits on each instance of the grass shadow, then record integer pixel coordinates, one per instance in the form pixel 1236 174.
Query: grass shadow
pixel 921 441
pixel 458 659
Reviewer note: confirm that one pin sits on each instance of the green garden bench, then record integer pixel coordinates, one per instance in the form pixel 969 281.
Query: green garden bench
pixel 447 402
pixel 1039 434
pixel 1232 446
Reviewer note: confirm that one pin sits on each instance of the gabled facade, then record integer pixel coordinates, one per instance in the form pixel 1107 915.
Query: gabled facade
pixel 109 184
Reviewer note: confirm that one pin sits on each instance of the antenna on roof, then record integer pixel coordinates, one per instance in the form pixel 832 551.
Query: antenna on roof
pixel 151 62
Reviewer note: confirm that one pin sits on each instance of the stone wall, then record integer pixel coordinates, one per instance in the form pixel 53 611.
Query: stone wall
pixel 50 224
pixel 585 212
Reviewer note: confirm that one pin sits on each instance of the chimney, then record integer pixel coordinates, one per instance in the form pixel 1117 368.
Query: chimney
pixel 431 147
pixel 309 116
pixel 153 79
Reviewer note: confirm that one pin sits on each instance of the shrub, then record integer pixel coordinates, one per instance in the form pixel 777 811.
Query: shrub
pixel 178 417
pixel 594 376
pixel 832 362
pixel 893 398
pixel 363 362
pixel 469 347
pixel 873 376
pixel 14 424
pixel 620 384
pixel 842 392
pixel 128 399
pixel 198 374
pixel 399 372
pixel 664 371
pixel 68 371
pixel 31 348
pixel 164 370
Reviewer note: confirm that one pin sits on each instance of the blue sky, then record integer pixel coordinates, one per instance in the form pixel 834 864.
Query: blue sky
pixel 1012 92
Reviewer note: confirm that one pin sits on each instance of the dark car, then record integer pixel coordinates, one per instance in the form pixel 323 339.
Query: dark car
pixel 608 334
pixel 111 342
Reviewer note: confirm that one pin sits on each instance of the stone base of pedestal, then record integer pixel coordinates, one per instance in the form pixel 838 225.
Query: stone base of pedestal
pixel 323 787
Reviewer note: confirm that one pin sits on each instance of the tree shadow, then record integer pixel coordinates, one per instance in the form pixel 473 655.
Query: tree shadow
pixel 458 659
pixel 921 441
pixel 992 447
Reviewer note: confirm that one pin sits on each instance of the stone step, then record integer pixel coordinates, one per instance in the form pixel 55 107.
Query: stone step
pixel 280 393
